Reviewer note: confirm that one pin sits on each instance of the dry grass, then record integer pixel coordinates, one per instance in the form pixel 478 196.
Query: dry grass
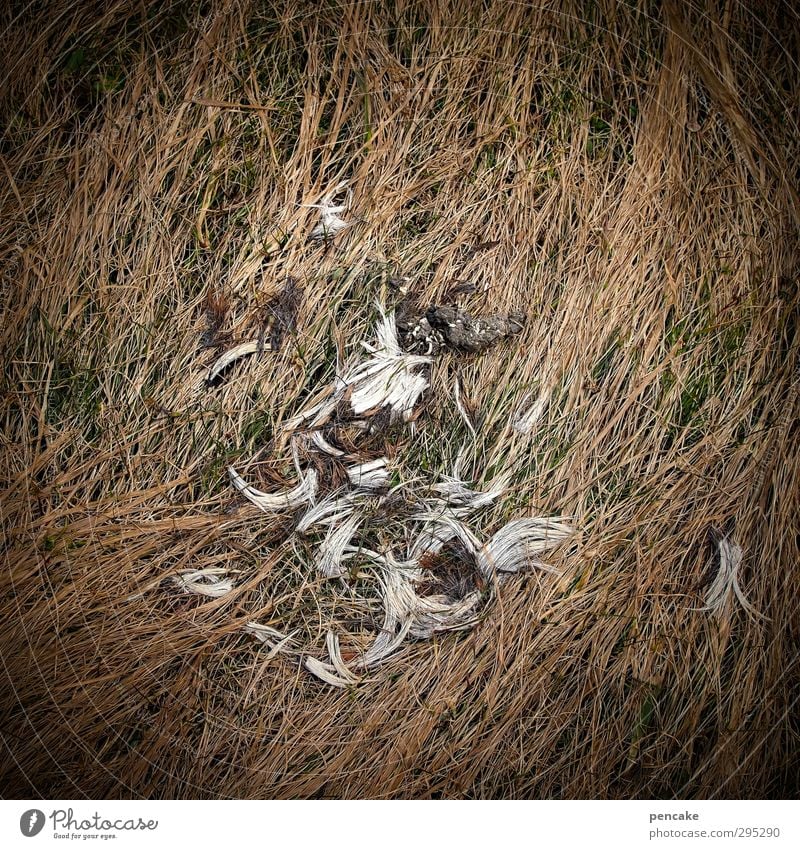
pixel 632 176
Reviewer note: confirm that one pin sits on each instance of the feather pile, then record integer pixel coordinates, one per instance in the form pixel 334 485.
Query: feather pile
pixel 435 574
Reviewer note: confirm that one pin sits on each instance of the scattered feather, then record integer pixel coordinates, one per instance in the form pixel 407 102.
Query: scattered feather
pixel 455 492
pixel 440 527
pixel 335 654
pixel 331 510
pixel 373 475
pixel 314 416
pixel 271 502
pixel 209 582
pixel 526 419
pixel 325 672
pixel 389 377
pixel 275 641
pixel 330 554
pixel 330 223
pixel 319 442
pixel 726 581
pixel 516 544
pixel 243 350
pixel 388 640
pixel 462 410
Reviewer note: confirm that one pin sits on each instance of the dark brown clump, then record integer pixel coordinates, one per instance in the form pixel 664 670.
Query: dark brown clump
pixel 215 308
pixel 279 313
pixel 452 572
pixel 453 328
pixel 460 330
pixel 347 432
pixel 331 473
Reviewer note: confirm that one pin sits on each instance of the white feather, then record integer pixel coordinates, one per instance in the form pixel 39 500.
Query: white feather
pixel 726 581
pixel 243 350
pixel 208 582
pixel 515 545
pixel 271 502
pixel 330 554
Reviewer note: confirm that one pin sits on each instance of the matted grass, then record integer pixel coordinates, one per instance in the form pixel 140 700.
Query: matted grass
pixel 620 173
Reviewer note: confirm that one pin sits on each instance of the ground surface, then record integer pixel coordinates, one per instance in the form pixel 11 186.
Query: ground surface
pixel 623 175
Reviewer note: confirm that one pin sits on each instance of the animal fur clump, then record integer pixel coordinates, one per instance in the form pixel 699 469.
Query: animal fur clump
pixel 454 328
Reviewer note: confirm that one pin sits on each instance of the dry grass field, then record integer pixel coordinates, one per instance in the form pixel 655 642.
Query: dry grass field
pixel 622 173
